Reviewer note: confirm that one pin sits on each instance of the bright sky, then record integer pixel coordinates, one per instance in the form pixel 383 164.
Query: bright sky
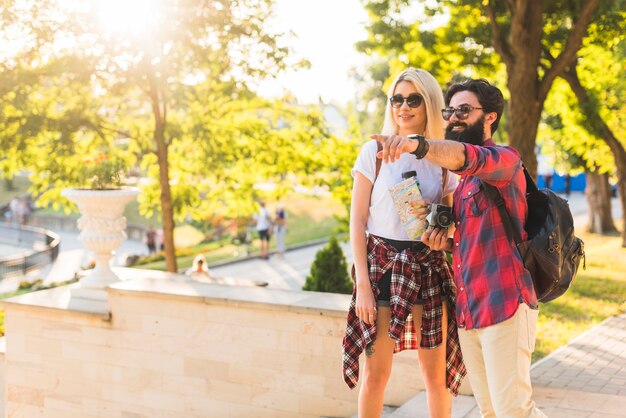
pixel 327 31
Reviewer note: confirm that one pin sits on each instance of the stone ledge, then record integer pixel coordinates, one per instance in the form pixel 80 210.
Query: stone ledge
pixel 57 298
pixel 174 286
pixel 264 298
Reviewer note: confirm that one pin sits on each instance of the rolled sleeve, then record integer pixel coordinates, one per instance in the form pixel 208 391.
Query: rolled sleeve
pixel 491 163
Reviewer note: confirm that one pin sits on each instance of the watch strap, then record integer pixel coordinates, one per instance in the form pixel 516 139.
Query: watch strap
pixel 422 146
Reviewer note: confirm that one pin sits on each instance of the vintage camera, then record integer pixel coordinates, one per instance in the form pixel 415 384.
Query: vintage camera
pixel 440 216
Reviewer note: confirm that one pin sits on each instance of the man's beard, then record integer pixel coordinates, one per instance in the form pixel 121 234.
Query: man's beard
pixel 472 134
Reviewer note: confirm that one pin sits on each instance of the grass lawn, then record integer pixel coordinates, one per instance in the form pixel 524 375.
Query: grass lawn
pixel 597 293
pixel 308 218
pixel 20 185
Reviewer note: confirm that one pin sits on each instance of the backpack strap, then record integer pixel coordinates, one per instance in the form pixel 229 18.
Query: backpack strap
pixel 379 161
pixel 494 195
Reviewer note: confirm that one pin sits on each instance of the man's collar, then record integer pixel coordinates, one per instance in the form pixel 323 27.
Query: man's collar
pixel 488 142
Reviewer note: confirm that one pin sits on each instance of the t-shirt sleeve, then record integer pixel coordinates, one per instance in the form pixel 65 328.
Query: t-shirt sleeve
pixel 451 183
pixel 366 161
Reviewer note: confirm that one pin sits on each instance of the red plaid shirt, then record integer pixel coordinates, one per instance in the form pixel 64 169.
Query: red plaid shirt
pixel 427 275
pixel 488 271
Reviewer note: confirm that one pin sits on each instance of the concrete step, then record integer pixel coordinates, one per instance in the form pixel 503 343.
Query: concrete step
pixel 417 407
pixel 387 412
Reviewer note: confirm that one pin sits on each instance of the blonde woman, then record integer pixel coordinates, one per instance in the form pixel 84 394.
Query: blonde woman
pixel 400 284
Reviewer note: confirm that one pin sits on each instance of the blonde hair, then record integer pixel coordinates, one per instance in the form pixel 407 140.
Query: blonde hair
pixel 427 86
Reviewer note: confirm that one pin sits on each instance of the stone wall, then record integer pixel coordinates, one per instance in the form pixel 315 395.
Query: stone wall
pixel 184 349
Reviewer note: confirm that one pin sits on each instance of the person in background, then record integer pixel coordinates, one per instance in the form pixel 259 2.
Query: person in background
pixel 544 169
pixel 14 209
pixel 404 293
pixel 160 242
pixel 23 211
pixel 151 240
pixel 568 184
pixel 263 225
pixel 199 269
pixel 280 229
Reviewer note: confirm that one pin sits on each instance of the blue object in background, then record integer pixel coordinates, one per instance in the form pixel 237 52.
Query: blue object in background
pixel 578 183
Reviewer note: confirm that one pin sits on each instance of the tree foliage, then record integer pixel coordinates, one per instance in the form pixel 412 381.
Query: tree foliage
pixel 522 45
pixel 584 117
pixel 173 100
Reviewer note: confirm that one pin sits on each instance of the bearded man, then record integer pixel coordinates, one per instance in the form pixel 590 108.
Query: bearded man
pixel 496 304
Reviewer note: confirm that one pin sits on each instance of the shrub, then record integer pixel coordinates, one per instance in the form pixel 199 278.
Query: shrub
pixel 329 272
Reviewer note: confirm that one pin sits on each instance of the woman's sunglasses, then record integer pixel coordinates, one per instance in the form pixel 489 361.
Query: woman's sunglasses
pixel 462 112
pixel 413 100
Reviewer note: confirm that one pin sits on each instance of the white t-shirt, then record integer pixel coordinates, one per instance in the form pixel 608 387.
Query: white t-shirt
pixel 263 220
pixel 383 219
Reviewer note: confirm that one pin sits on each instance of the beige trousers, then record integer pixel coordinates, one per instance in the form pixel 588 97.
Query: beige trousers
pixel 498 365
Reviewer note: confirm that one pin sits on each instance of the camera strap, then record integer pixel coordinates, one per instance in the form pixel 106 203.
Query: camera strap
pixel 444 179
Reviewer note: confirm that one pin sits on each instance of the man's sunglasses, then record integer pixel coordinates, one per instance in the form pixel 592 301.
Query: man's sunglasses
pixel 462 112
pixel 413 100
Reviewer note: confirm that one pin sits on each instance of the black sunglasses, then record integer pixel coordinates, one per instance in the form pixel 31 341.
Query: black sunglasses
pixel 413 100
pixel 462 112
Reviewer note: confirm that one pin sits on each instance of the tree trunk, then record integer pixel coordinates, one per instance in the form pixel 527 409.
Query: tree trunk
pixel 167 210
pixel 521 51
pixel 596 125
pixel 598 193
pixel 8 184
pixel 526 100
pixel 524 117
pixel 621 191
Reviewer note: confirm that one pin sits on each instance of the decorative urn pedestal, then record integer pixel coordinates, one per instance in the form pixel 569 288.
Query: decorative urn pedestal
pixel 103 230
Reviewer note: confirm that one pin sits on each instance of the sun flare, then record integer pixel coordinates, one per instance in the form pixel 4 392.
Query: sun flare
pixel 133 17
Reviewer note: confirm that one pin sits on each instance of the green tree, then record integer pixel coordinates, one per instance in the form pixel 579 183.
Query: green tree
pixel 526 45
pixel 583 113
pixel 341 154
pixel 329 271
pixel 489 38
pixel 75 84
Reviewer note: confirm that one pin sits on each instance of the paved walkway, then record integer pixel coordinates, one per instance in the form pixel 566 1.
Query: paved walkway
pixel 585 378
pixel 593 362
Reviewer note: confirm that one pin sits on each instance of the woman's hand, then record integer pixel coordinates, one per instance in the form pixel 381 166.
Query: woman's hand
pixel 437 239
pixel 365 304
pixel 419 209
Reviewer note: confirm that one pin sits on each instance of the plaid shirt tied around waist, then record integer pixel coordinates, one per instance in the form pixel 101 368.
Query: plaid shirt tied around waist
pixel 426 275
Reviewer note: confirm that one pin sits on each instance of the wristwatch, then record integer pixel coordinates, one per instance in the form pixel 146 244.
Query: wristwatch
pixel 422 146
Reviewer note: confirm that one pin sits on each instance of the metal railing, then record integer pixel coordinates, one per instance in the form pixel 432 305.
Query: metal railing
pixel 35 248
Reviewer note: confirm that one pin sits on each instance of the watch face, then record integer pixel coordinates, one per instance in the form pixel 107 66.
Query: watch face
pixel 415 136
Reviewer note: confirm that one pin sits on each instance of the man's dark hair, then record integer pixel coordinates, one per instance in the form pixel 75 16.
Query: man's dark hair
pixel 489 97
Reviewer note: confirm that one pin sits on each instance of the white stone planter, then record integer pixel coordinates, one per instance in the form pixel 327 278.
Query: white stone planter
pixel 103 230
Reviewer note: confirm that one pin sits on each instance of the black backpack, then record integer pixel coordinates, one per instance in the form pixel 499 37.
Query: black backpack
pixel 552 252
